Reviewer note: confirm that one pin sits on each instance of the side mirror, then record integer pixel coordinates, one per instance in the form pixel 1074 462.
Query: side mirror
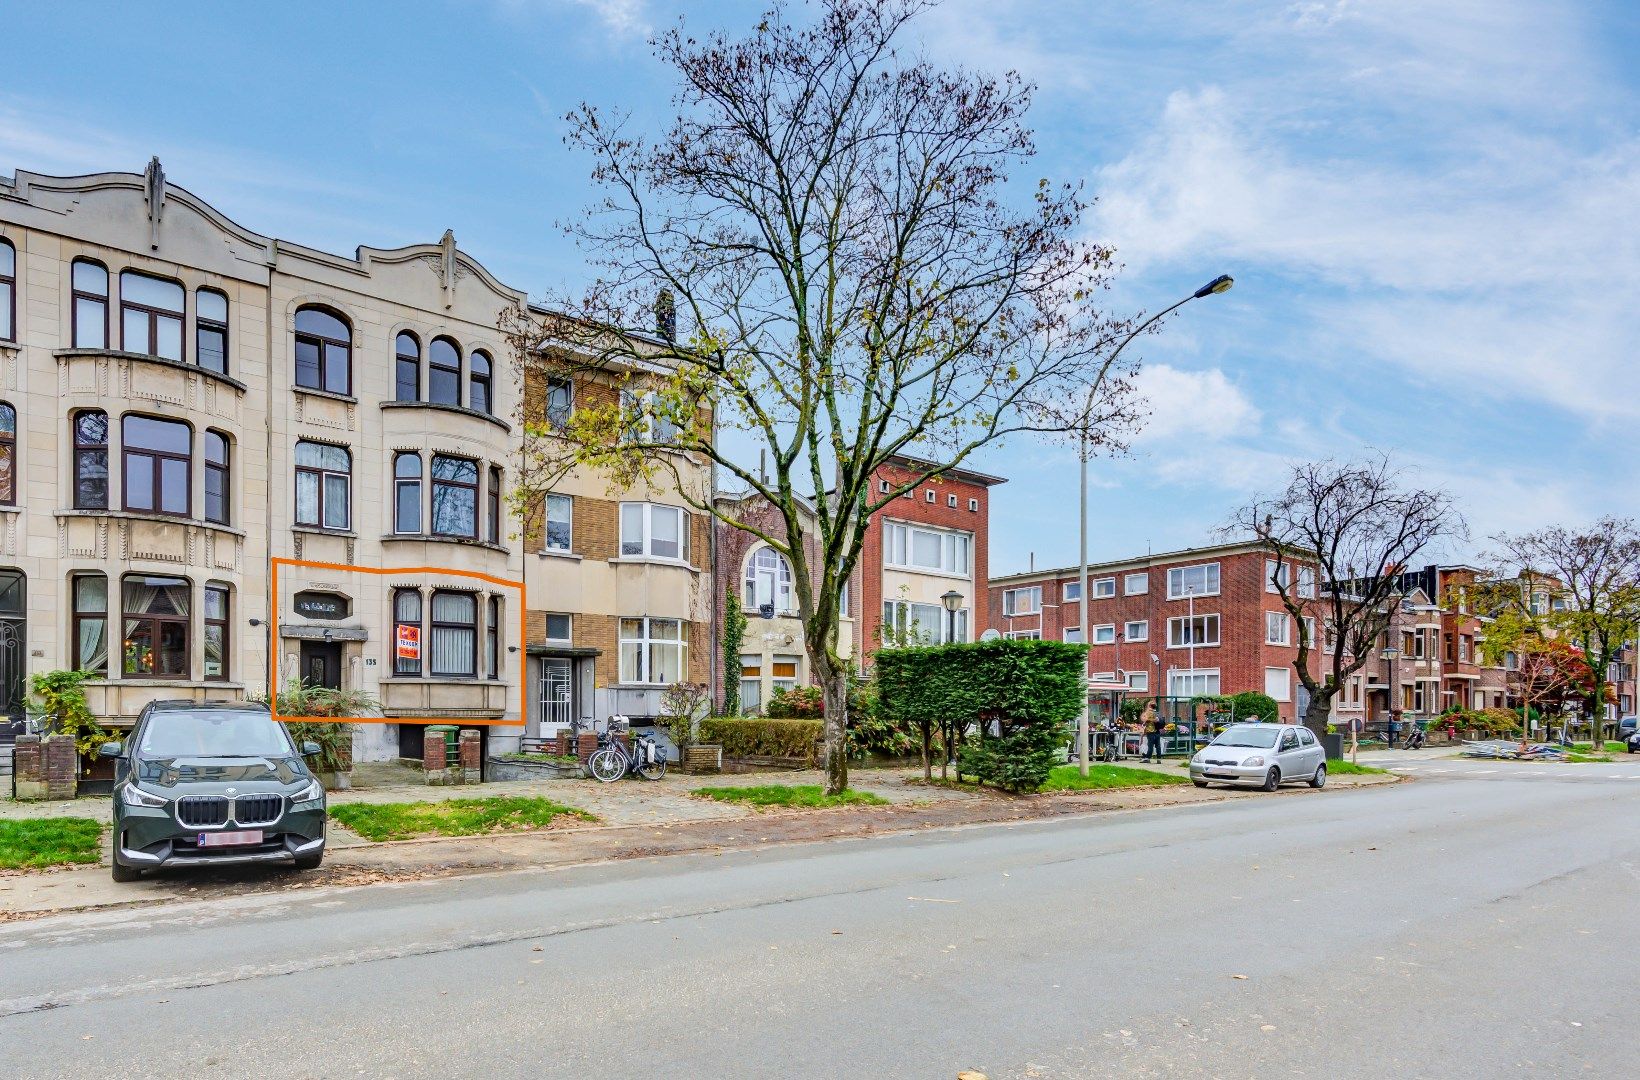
pixel 309 748
pixel 109 750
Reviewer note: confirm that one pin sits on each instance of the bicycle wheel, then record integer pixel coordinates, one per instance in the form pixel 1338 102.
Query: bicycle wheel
pixel 607 765
pixel 652 770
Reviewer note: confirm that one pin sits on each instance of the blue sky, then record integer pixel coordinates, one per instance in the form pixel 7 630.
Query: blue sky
pixel 1432 210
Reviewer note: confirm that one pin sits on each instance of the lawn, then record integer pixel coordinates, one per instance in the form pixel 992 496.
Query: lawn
pixel 1350 768
pixel 1612 747
pixel 806 796
pixel 1585 759
pixel 40 842
pixel 1070 778
pixel 452 817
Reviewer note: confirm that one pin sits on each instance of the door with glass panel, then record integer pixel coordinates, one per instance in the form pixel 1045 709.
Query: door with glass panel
pixel 557 694
pixel 13 652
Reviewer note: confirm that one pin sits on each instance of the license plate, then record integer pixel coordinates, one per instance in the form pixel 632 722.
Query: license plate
pixel 1220 775
pixel 230 839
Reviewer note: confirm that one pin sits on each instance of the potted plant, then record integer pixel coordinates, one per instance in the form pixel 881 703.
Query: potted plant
pixel 334 762
pixel 58 699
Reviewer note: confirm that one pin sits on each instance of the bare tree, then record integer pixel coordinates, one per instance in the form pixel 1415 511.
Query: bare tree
pixel 1361 528
pixel 825 245
pixel 1577 586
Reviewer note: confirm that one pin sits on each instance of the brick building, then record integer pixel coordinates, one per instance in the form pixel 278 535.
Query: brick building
pixel 1199 621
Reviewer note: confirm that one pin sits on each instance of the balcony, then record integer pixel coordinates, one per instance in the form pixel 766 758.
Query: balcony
pixel 133 535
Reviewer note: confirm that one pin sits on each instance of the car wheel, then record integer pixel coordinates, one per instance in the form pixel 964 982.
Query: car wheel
pixel 123 873
pixel 1199 783
pixel 1320 778
pixel 309 862
pixel 1272 779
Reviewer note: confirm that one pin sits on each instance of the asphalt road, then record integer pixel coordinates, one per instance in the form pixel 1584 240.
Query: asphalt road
pixel 1444 928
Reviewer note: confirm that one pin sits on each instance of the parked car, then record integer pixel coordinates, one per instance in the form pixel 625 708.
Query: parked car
pixel 1632 740
pixel 213 785
pixel 1261 755
pixel 1627 728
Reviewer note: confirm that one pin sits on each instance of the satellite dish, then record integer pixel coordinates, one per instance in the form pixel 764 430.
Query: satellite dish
pixel 990 635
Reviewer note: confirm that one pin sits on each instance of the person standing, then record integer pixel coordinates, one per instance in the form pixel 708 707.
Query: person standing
pixel 1153 732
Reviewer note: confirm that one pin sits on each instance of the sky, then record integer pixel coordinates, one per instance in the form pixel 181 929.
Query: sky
pixel 1431 207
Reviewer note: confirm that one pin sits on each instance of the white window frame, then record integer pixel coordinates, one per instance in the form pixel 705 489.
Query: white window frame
pixel 1273 581
pixel 1174 576
pixel 1024 635
pixel 1174 638
pixel 569 618
pixel 1144 630
pixel 1073 635
pixel 1067 590
pixel 1309 631
pixel 1010 607
pixel 1143 584
pixel 1286 675
pixel 973 506
pixel 646 540
pixel 1103 676
pixel 1139 680
pixel 546 520
pixel 1278 628
pixel 644 430
pixel 898 615
pixel 777 577
pixel 646 642
pixel 1103 634
pixel 1103 588
pixel 956 549
pixel 1190 675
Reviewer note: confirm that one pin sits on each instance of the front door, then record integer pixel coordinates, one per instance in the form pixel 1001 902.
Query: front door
pixel 13 653
pixel 557 694
pixel 322 664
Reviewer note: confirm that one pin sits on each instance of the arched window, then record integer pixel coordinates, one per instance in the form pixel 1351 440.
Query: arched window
pixel 324 481
pixel 150 315
pixel 478 381
pixel 90 304
pixel 8 455
pixel 211 330
pixel 156 456
pixel 769 580
pixel 91 460
pixel 216 477
pixel 406 493
pixel 406 632
pixel 324 351
pixel 8 291
pixel 407 368
pixel 216 630
pixel 444 372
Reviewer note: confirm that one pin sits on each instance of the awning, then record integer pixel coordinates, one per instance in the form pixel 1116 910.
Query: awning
pixel 571 652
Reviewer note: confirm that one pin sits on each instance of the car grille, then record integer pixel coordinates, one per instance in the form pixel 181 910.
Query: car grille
pixel 1210 761
pixel 257 809
pixel 202 811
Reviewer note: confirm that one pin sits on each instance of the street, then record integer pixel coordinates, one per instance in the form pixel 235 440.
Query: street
pixel 1447 927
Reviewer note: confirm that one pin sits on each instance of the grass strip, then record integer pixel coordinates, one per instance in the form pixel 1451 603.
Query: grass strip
pixel 1101 777
pixel 36 843
pixel 452 817
pixel 806 796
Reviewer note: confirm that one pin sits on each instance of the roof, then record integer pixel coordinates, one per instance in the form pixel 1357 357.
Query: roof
pixel 1238 547
pixel 955 472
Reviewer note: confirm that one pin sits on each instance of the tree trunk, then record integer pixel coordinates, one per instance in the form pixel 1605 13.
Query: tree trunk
pixel 927 748
pixel 834 691
pixel 1318 713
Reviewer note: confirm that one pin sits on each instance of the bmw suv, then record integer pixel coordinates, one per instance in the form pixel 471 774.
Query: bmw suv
pixel 213 785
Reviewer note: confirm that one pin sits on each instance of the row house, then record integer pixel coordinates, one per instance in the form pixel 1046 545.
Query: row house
pixel 191 412
pixel 1205 620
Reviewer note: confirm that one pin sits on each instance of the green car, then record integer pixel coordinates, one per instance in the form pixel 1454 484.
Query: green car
pixel 213 785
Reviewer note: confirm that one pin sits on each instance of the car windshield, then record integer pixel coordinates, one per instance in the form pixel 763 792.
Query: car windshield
pixel 227 734
pixel 1262 737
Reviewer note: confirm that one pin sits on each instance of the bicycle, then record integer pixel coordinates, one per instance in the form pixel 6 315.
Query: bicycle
pixel 612 761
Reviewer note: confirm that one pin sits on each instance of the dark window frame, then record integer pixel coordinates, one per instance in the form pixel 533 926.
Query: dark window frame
pixel 400 360
pixel 154 315
pixel 434 366
pixel 8 451
pixel 9 283
pixel 76 295
pixel 558 418
pixel 218 469
pixel 84 449
pixel 492 637
pixel 319 341
pixel 320 473
pixel 403 667
pixel 475 380
pixel 433 528
pixel 401 481
pixel 493 502
pixel 156 476
pixel 202 324
pixel 434 624
pixel 79 615
pixel 156 633
pixel 221 624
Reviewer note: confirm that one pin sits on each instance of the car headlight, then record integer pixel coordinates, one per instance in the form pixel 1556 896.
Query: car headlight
pixel 135 796
pixel 309 797
pixel 1256 759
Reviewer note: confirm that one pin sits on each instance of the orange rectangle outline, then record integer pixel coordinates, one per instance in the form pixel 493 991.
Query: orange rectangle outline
pixel 273 653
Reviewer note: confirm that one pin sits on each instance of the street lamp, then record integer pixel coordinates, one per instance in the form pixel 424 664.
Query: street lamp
pixel 1219 284
pixel 953 604
pixel 1391 654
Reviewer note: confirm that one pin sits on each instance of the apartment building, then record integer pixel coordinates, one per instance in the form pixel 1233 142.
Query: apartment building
pixel 184 401
pixel 1199 621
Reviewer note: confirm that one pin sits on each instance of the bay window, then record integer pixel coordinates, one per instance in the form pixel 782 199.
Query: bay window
pixel 90 622
pixel 324 482
pixel 492 636
pixel 8 455
pixel 784 671
pixel 211 330
pixel 156 609
pixel 8 291
pixel 406 368
pixel 157 458
pixel 151 315
pixel 216 477
pixel 91 460
pixel 478 381
pixel 216 632
pixel 443 372
pixel 406 493
pixel 493 501
pixel 654 650
pixel 324 351
pixel 455 496
pixel 90 297
pixel 407 632
pixel 453 635
pixel 655 531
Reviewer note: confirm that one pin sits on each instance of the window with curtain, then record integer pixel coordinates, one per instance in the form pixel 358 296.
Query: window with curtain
pixel 492 636
pixel 478 381
pixel 324 479
pixel 90 296
pixel 784 669
pixel 216 631
pixel 406 493
pixel 156 611
pixel 324 351
pixel 453 636
pixel 8 455
pixel 768 580
pixel 90 622
pixel 443 372
pixel 455 496
pixel 559 529
pixel 151 315
pixel 654 650
pixel 493 501
pixel 216 477
pixel 211 330
pixel 8 291
pixel 560 402
pixel 407 368
pixel 751 682
pixel 91 460
pixel 157 458
pixel 661 532
pixel 406 613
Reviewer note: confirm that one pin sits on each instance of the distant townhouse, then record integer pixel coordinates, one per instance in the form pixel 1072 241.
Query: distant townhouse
pixel 1179 624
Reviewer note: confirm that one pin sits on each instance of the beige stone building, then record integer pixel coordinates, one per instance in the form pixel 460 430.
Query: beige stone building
pixel 183 401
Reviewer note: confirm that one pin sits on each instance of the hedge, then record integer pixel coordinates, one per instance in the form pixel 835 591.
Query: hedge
pixel 756 736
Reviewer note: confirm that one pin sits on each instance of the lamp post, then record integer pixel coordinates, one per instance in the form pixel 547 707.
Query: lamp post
pixel 953 604
pixel 1219 284
pixel 1390 654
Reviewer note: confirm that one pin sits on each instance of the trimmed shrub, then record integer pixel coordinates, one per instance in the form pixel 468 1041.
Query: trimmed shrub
pixel 1020 696
pixel 756 736
pixel 796 703
pixel 1250 704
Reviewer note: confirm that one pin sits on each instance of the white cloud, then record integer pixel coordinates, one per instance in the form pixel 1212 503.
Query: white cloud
pixel 622 18
pixel 1204 405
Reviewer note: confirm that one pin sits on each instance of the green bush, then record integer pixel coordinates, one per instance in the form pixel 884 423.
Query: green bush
pixel 1029 692
pixel 756 736
pixel 796 703
pixel 870 732
pixel 1250 704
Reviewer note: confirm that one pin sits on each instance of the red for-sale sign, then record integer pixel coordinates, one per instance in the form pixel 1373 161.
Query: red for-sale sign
pixel 409 645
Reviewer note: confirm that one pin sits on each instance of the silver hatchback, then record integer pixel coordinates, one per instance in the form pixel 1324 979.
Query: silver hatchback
pixel 1261 755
